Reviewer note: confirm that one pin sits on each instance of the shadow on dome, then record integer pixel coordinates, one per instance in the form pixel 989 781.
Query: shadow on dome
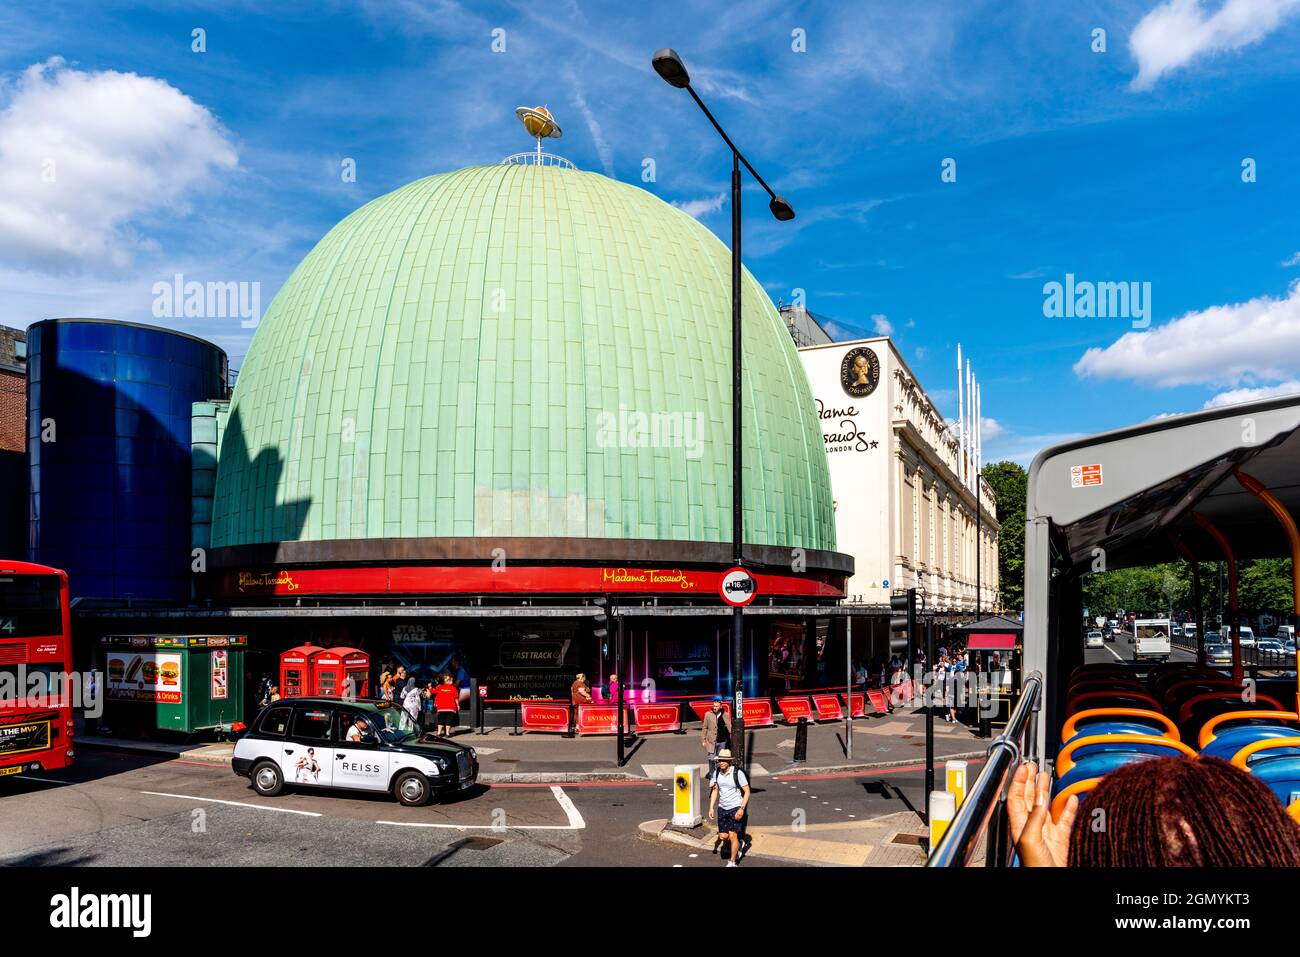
pixel 245 514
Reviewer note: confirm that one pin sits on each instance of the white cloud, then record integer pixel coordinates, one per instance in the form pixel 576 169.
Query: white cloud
pixel 990 428
pixel 1234 396
pixel 1228 345
pixel 118 147
pixel 1292 260
pixel 1179 31
pixel 597 134
pixel 881 324
pixel 701 207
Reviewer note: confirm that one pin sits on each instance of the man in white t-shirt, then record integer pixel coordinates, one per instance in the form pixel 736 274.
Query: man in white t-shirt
pixel 728 799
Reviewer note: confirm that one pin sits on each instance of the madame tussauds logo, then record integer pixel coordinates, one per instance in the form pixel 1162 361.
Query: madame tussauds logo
pixel 76 910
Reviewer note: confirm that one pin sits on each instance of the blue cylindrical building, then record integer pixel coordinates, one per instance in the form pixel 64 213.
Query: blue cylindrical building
pixel 108 436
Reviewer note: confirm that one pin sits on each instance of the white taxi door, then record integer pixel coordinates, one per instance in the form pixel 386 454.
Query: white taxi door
pixel 307 752
pixel 359 763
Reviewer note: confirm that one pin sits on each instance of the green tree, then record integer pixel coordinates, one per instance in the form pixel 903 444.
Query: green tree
pixel 1010 484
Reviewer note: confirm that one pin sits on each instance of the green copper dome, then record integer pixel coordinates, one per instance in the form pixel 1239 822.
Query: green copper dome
pixel 517 351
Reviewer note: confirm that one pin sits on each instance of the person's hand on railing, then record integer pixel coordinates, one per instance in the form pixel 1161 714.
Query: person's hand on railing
pixel 1038 840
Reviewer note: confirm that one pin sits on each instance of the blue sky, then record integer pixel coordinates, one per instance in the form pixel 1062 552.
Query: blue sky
pixel 1117 166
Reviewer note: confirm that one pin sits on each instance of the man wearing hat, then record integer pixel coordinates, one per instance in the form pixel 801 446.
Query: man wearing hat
pixel 716 733
pixel 728 799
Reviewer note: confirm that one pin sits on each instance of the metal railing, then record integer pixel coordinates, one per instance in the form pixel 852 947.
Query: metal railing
pixel 983 811
pixel 533 158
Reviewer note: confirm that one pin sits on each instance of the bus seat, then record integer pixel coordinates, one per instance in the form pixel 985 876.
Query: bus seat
pixel 1118 721
pixel 1098 766
pixel 1280 773
pixel 1087 745
pixel 1078 789
pixel 1230 741
pixel 1216 725
pixel 1110 699
pixel 1216 702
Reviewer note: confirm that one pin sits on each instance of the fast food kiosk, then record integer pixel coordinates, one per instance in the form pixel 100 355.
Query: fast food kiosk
pixel 178 683
pixel 330 669
pixel 296 679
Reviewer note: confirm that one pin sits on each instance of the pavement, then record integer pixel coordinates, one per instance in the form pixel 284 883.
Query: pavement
pixel 879 741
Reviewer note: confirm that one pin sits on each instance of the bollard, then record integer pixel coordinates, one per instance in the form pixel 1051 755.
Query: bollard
pixel 686 796
pixel 801 740
pixel 955 780
pixel 943 808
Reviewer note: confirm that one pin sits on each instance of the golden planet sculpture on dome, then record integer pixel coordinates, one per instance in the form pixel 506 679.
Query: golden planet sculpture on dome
pixel 538 121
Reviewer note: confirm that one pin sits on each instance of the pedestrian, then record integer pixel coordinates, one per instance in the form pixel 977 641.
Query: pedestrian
pixel 411 699
pixel 273 693
pixel 579 694
pixel 613 688
pixel 386 681
pixel 446 702
pixel 715 732
pixel 91 704
pixel 460 678
pixel 264 691
pixel 728 801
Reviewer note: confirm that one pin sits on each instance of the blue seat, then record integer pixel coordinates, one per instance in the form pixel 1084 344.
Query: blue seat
pixel 1099 764
pixel 1231 740
pixel 1281 774
pixel 1114 726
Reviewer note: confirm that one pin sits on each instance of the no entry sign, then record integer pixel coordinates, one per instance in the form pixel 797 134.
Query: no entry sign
pixel 738 586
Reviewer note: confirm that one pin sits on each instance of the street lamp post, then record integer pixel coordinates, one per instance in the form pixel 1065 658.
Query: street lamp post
pixel 670 66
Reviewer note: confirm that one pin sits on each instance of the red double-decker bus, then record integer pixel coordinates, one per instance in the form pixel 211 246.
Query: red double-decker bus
pixel 35 660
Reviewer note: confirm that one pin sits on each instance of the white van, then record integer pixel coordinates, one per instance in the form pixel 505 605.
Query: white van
pixel 1247 636
pixel 1150 639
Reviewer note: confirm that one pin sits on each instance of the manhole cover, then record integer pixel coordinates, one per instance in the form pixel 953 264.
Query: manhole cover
pixel 914 840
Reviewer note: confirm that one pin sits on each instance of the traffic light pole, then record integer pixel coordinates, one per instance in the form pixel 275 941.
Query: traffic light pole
pixel 929 717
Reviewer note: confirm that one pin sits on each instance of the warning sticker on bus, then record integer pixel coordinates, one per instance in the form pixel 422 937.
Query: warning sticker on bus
pixel 1081 475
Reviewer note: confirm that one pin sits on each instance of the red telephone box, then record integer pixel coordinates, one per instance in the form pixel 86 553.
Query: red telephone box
pixel 296 671
pixel 331 668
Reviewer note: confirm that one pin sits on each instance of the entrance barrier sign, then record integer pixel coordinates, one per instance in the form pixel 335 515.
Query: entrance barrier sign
pixel 702 707
pixel 656 717
pixel 758 713
pixel 597 719
pixel 878 701
pixel 857 703
pixel 828 707
pixel 544 716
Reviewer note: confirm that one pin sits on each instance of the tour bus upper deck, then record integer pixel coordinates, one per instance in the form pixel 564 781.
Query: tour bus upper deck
pixel 1205 486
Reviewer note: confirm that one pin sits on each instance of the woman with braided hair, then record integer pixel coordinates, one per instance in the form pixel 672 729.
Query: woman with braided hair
pixel 1161 812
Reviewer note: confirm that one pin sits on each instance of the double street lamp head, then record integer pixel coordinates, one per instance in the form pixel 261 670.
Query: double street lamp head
pixel 670 66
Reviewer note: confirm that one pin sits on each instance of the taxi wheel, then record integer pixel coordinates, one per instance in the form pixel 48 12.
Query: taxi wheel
pixel 267 779
pixel 412 789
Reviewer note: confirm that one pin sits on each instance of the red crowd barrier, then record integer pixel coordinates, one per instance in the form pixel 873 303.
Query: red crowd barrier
pixel 828 707
pixel 857 704
pixel 794 708
pixel 878 701
pixel 543 716
pixel 649 718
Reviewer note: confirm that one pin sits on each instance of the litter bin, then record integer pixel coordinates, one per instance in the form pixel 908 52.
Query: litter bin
pixel 178 683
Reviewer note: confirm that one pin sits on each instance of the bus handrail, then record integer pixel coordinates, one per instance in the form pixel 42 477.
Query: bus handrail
pixel 984 798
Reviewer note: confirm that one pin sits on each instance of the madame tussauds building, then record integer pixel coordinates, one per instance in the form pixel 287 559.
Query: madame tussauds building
pixel 489 414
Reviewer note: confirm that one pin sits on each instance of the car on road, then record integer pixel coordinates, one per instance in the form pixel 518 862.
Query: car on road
pixel 1095 640
pixel 1270 646
pixel 1218 653
pixel 1247 636
pixel 351 745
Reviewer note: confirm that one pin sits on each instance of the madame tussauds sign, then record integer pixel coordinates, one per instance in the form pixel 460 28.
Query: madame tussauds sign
pixel 840 429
